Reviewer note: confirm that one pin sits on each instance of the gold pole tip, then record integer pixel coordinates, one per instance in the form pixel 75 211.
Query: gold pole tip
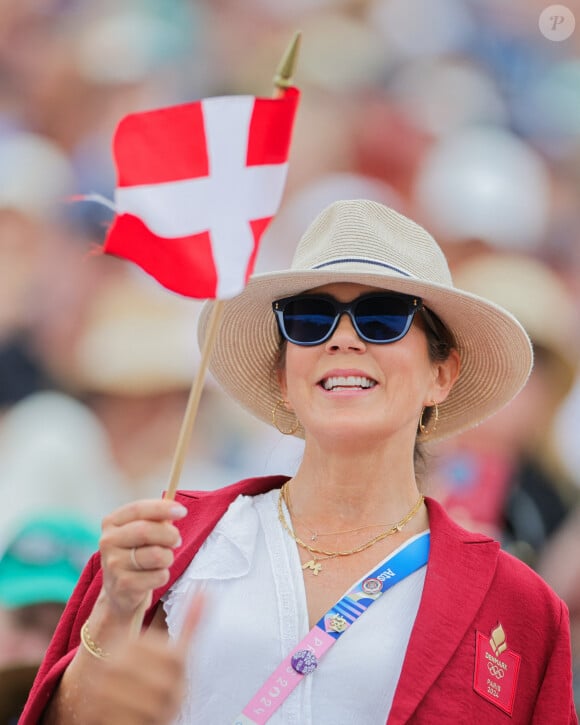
pixel 285 71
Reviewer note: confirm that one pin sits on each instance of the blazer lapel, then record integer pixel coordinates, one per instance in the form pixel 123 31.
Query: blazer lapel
pixel 447 606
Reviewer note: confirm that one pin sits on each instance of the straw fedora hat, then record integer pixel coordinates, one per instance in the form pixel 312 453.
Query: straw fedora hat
pixel 367 243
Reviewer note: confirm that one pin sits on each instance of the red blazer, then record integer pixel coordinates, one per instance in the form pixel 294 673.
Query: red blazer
pixel 450 673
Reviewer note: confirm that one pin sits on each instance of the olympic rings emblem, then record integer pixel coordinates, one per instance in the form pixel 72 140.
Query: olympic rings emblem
pixel 496 671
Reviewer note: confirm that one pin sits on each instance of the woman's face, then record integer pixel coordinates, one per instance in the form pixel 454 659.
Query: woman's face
pixel 356 391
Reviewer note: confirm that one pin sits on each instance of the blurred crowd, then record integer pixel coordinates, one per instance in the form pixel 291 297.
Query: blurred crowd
pixel 462 114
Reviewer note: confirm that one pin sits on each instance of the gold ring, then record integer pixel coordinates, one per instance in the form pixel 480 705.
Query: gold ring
pixel 136 564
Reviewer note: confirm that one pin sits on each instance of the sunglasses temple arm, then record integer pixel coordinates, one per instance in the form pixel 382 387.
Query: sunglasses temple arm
pixel 427 316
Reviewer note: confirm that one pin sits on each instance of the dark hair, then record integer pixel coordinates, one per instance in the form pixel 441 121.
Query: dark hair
pixel 440 342
pixel 440 339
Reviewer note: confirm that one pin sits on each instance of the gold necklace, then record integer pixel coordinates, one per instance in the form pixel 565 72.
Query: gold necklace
pixel 315 535
pixel 320 554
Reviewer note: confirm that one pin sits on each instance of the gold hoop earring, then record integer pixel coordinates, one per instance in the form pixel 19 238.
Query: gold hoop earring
pixel 422 427
pixel 275 409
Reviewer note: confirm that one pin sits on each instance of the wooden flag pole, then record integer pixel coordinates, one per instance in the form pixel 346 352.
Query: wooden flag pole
pixel 193 400
pixel 282 80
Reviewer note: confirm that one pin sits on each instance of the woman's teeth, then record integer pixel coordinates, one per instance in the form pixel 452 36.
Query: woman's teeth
pixel 348 382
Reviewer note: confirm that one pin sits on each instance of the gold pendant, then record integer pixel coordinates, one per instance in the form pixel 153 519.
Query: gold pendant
pixel 313 565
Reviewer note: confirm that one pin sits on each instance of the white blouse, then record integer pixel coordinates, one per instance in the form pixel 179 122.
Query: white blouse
pixel 256 613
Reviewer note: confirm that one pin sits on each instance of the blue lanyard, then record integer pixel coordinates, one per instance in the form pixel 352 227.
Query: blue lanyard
pixel 305 657
pixel 394 569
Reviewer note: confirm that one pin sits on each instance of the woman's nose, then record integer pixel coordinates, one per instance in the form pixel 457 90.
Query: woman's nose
pixel 345 336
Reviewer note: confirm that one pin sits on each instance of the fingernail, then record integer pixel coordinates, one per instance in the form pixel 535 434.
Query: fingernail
pixel 178 511
pixel 179 542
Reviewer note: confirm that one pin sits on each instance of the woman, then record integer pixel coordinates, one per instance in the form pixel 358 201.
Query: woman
pixel 365 349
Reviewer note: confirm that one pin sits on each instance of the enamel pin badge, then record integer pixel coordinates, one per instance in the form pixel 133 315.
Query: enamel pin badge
pixel 496 669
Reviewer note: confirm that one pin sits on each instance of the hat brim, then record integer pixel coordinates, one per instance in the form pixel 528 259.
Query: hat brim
pixel 495 351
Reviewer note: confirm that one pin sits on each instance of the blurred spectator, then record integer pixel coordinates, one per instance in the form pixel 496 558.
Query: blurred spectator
pixel 38 571
pixel 484 183
pixel 566 426
pixel 35 176
pixel 506 477
pixel 55 455
pixel 20 372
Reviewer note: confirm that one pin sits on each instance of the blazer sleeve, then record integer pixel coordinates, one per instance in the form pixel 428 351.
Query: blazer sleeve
pixel 205 509
pixel 552 703
pixel 66 638
pixel 64 643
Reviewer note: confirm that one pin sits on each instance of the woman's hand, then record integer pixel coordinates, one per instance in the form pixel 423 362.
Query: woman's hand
pixel 141 678
pixel 143 681
pixel 137 548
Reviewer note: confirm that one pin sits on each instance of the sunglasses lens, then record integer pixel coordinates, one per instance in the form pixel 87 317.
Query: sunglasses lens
pixel 382 319
pixel 308 320
pixel 379 319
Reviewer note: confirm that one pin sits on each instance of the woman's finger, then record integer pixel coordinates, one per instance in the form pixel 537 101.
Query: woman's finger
pixel 140 533
pixel 149 558
pixel 137 550
pixel 148 510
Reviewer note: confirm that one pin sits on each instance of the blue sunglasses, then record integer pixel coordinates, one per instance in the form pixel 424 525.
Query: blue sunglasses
pixel 378 318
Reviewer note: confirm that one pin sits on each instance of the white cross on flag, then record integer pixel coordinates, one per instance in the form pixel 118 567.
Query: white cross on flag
pixel 197 186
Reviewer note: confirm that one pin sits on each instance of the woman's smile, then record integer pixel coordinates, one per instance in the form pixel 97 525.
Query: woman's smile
pixel 347 382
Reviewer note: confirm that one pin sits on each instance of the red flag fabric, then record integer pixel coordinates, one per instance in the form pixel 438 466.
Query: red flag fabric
pixel 197 185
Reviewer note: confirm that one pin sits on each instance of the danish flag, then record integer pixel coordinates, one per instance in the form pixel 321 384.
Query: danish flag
pixel 197 185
